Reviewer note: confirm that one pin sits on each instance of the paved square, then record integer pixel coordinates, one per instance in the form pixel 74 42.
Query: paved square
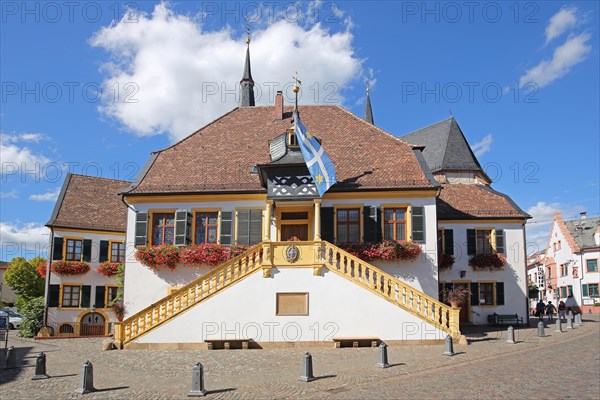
pixel 559 366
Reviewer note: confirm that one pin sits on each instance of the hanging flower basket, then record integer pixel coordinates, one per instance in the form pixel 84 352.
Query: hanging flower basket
pixel 446 261
pixel 165 256
pixel 389 250
pixel 108 268
pixel 69 267
pixel 491 261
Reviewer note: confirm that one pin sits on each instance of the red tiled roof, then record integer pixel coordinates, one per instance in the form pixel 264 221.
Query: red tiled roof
pixel 93 203
pixel 219 157
pixel 464 201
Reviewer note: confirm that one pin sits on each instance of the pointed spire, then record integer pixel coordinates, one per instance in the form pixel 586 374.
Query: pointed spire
pixel 247 83
pixel 368 109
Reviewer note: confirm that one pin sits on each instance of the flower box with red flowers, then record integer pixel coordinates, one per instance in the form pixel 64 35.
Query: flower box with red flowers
pixel 69 267
pixel 389 250
pixel 492 261
pixel 446 261
pixel 163 256
pixel 108 268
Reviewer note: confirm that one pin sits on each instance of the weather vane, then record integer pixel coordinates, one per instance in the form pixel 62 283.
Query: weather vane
pixel 296 87
pixel 247 34
pixel 368 86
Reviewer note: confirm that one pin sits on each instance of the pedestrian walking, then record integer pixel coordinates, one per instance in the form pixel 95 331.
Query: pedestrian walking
pixel 540 307
pixel 562 311
pixel 550 310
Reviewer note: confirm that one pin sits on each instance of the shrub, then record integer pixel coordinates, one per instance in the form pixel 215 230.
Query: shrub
pixel 32 311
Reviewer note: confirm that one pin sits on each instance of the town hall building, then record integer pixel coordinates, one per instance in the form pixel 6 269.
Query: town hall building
pixel 230 243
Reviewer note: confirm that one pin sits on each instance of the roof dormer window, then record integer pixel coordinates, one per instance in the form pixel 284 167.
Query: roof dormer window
pixel 292 140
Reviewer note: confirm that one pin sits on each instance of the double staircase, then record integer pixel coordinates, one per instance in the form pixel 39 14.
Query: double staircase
pixel 268 255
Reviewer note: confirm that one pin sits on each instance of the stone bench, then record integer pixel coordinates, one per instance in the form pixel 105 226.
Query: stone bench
pixel 227 344
pixel 356 342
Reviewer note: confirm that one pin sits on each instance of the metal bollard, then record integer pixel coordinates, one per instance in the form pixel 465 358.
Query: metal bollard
pixel 198 389
pixel 578 319
pixel 448 347
pixel 558 326
pixel 40 368
pixel 86 383
pixel 11 358
pixel 382 358
pixel 540 329
pixel 510 335
pixel 307 368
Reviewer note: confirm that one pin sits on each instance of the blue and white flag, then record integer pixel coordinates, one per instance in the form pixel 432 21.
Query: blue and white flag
pixel 319 164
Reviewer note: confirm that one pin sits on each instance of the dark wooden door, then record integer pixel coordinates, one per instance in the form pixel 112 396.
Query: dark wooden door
pixel 294 232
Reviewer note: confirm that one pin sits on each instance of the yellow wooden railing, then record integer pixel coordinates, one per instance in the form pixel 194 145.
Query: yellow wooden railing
pixel 189 295
pixel 391 288
pixel 268 255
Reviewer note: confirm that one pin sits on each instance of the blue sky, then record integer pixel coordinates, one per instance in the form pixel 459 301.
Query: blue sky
pixel 95 87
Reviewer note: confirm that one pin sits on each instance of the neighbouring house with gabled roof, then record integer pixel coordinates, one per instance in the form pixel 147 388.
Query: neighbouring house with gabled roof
pixel 87 243
pixel 571 263
pixel 230 242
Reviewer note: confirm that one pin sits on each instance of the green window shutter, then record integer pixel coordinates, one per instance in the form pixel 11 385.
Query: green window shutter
pixel 57 248
pixel 584 289
pixel 53 293
pixel 86 292
pixel 226 228
pixel 255 229
pixel 87 250
pixel 103 255
pixel 418 224
pixel 141 229
pixel 474 294
pixel 99 303
pixel 471 242
pixel 243 227
pixel 449 241
pixel 327 221
pixel 500 241
pixel 183 221
pixel 370 218
pixel 499 293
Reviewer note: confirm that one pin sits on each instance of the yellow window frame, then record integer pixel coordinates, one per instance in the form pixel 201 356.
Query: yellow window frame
pixel 150 236
pixel 61 292
pixel 106 287
pixel 360 207
pixel 408 208
pixel 206 210
pixel 64 250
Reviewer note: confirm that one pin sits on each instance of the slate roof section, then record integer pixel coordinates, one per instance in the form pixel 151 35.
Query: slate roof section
pixel 463 201
pixel 583 234
pixel 446 147
pixel 87 202
pixel 219 157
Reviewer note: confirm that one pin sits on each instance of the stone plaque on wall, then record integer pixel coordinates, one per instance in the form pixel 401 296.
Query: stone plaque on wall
pixel 292 304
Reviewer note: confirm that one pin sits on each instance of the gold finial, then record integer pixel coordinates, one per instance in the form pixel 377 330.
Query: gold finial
pixel 297 84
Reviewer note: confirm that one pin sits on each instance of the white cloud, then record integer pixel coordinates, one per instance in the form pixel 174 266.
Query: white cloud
pixel 483 146
pixel 13 194
pixel 177 67
pixel 23 240
pixel 560 22
pixel 538 227
pixel 50 195
pixel 572 52
pixel 15 157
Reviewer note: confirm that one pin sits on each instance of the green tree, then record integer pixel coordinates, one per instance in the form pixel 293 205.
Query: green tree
pixel 33 315
pixel 23 278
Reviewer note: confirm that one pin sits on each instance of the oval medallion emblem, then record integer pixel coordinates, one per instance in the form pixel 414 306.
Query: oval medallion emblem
pixel 292 253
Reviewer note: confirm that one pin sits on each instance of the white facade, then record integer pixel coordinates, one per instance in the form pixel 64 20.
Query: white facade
pixel 570 270
pixel 337 308
pixel 512 275
pixel 77 315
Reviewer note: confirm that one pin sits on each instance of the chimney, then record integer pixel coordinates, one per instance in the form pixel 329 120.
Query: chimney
pixel 583 215
pixel 279 105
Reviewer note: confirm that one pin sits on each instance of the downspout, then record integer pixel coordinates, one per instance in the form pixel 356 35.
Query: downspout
pixel 525 256
pixel 47 289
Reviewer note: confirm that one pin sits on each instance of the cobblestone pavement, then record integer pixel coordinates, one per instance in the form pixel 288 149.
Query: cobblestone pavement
pixel 558 366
